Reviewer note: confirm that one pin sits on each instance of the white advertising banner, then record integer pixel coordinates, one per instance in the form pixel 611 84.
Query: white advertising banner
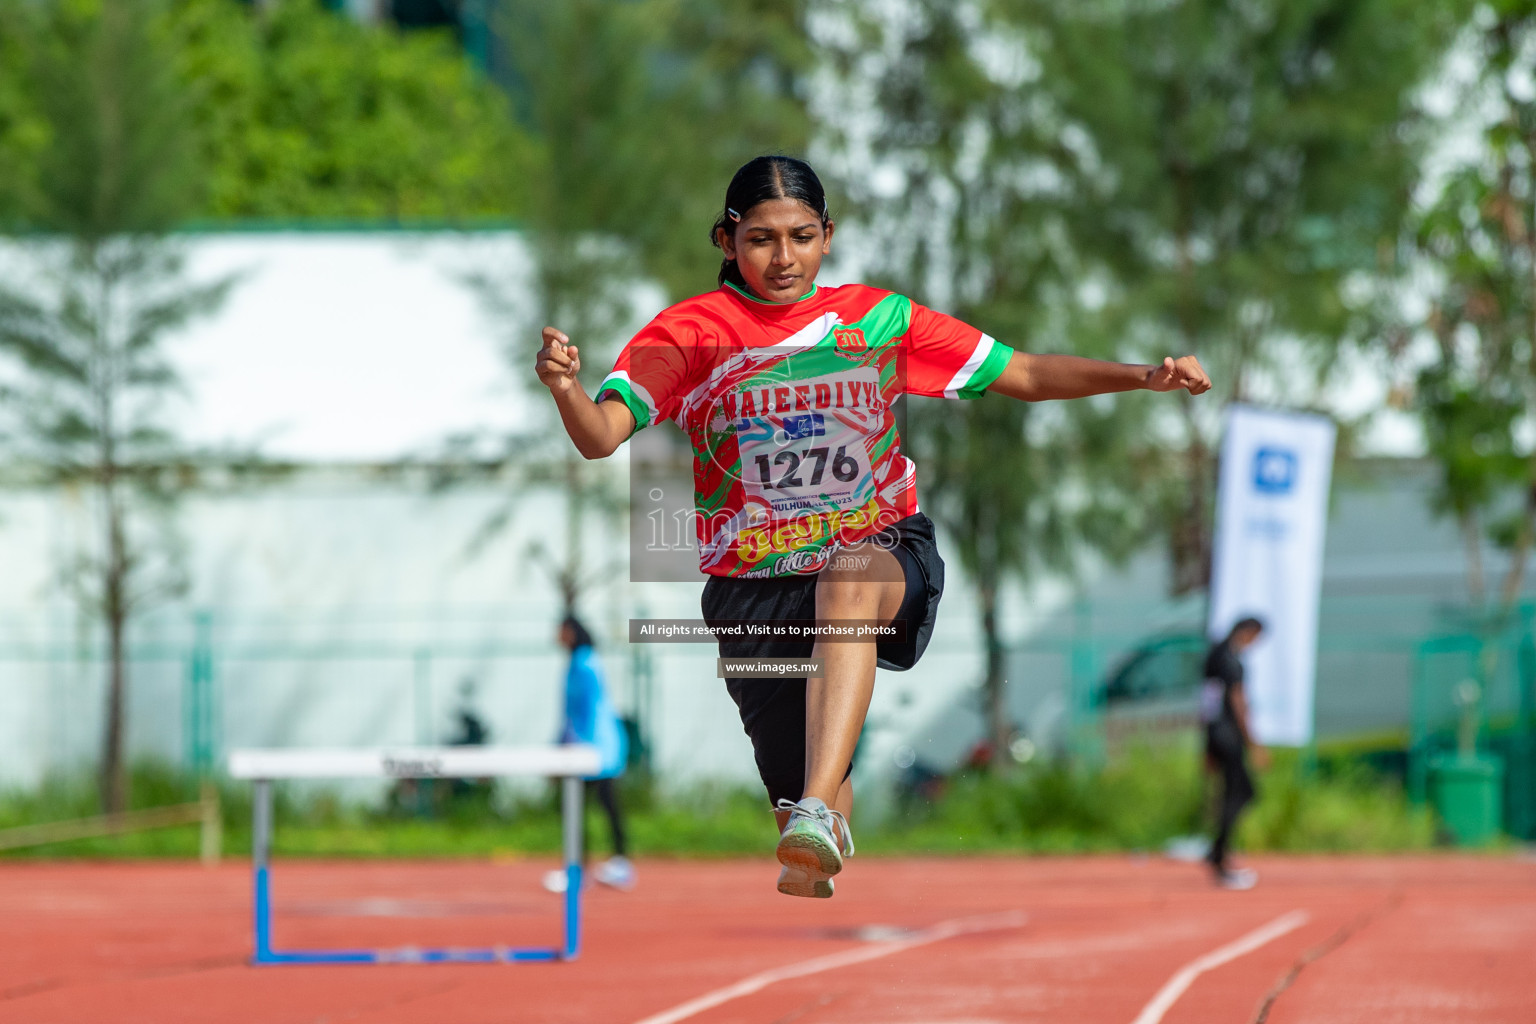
pixel 1271 514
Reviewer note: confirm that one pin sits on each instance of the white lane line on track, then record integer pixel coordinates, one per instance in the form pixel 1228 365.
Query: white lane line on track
pixel 758 982
pixel 1169 994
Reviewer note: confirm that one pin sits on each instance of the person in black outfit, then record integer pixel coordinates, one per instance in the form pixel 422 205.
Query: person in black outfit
pixel 471 732
pixel 1229 744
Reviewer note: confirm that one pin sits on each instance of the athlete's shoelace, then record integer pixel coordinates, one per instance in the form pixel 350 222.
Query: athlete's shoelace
pixel 827 817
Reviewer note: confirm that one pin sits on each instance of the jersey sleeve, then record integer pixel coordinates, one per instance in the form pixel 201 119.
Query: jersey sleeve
pixel 651 375
pixel 948 358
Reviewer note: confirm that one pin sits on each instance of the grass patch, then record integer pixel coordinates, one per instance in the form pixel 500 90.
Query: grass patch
pixel 482 821
pixel 1147 796
pixel 1136 802
pixel 1350 808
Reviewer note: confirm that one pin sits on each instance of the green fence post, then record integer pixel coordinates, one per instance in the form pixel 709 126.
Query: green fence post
pixel 1418 727
pixel 642 687
pixel 200 717
pixel 1522 756
pixel 1085 740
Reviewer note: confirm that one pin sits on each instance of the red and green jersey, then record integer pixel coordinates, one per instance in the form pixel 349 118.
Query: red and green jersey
pixel 788 407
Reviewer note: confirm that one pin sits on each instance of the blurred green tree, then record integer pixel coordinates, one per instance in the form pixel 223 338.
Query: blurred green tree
pixel 303 113
pixel 641 110
pixel 1476 381
pixel 1233 167
pixel 85 310
pixel 1126 180
pixel 966 214
pixel 21 130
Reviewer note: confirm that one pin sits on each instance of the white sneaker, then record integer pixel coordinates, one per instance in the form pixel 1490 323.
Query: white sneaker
pixel 811 849
pixel 1237 879
pixel 616 872
pixel 556 881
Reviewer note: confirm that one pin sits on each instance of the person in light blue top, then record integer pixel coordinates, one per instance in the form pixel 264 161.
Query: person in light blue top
pixel 590 718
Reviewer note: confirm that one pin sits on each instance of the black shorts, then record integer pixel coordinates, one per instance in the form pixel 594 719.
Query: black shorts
pixel 773 709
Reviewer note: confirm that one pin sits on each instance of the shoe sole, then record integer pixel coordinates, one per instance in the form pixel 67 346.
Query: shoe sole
pixel 809 865
pixel 793 882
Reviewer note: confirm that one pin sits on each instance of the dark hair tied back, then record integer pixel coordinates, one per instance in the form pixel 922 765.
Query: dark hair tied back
pixel 759 180
pixel 580 637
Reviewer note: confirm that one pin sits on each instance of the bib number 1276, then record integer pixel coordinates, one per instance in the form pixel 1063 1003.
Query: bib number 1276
pixel 844 467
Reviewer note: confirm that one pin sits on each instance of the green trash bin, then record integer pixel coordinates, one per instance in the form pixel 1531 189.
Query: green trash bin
pixel 1467 792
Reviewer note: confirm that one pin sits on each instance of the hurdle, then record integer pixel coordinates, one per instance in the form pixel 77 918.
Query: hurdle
pixel 570 763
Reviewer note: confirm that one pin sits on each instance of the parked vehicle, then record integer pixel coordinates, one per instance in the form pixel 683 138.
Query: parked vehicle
pixel 1153 690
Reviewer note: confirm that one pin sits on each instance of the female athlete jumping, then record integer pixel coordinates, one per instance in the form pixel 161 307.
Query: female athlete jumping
pixel 807 509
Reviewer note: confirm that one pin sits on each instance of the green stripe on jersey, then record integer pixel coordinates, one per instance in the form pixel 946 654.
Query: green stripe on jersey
pixel 636 404
pixel 880 447
pixel 709 504
pixel 991 368
pixel 886 321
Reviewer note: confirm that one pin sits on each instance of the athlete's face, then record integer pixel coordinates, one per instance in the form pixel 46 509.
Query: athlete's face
pixel 778 247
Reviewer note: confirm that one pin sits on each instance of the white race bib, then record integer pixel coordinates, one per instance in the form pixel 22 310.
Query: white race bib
pixel 812 456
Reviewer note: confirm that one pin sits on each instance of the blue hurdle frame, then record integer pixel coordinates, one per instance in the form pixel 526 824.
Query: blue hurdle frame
pixel 571 794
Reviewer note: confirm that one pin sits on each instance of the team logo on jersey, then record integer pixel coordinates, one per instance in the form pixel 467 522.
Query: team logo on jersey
pixel 850 341
pixel 811 424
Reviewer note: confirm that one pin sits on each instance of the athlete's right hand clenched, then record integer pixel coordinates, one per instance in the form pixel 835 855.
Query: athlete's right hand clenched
pixel 558 363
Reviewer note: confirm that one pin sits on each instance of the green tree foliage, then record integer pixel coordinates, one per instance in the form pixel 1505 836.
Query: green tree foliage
pixel 1230 167
pixel 1131 180
pixel 84 315
pixel 304 113
pixel 1478 235
pixel 299 113
pixel 976 225
pixel 22 131
pixel 118 157
pixel 642 111
pixel 731 83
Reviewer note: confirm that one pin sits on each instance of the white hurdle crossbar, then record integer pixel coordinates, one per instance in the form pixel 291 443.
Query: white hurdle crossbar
pixel 570 763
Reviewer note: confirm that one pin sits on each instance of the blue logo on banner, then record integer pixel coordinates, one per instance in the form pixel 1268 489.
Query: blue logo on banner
pixel 1274 471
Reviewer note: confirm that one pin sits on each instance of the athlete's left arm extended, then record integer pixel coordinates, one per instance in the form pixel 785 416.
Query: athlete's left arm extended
pixel 1038 378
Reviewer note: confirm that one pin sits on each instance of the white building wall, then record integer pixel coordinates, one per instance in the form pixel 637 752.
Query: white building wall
pixel 347 610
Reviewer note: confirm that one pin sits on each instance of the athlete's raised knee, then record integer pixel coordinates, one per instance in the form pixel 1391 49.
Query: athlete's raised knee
pixel 847 598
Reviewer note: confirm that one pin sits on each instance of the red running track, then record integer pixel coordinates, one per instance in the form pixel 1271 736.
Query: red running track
pixel 944 941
